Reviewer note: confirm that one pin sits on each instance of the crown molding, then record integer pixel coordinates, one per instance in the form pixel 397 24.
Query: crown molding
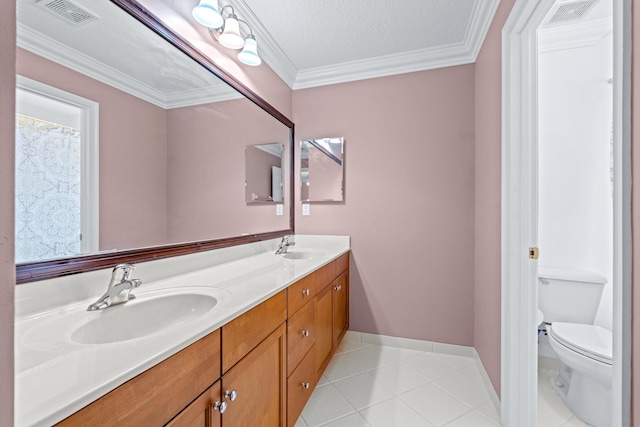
pixel 62 54
pixel 408 62
pixel 270 50
pixel 381 66
pixel 479 24
pixel 582 34
pixel 43 46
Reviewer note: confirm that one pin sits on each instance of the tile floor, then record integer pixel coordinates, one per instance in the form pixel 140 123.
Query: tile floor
pixel 368 385
pixel 552 412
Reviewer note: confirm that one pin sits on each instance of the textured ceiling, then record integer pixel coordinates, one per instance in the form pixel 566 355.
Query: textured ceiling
pixel 317 33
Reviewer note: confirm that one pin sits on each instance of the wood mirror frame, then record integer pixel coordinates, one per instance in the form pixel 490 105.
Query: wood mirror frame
pixel 41 270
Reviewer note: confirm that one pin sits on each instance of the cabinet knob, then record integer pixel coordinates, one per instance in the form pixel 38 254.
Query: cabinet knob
pixel 220 406
pixel 231 395
pixel 337 288
pixel 306 292
pixel 305 385
pixel 305 333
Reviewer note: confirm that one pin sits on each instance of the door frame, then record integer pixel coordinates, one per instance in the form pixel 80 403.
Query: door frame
pixel 90 165
pixel 519 209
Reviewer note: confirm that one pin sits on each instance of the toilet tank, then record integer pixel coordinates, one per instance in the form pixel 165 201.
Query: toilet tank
pixel 569 295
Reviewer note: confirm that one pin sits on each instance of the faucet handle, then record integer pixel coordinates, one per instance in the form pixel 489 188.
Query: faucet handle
pixel 126 268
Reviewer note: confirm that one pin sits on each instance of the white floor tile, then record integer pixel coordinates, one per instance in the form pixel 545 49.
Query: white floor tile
pixel 433 403
pixel 300 423
pixel 471 419
pixel 473 371
pixel 362 390
pixel 325 404
pixel 374 356
pixel 544 421
pixel 342 366
pixel 429 366
pixel 460 385
pixel 322 381
pixel 488 410
pixel 398 378
pixel 546 378
pixel 353 420
pixel 550 405
pixel 574 422
pixel 456 361
pixel 348 345
pixel 393 413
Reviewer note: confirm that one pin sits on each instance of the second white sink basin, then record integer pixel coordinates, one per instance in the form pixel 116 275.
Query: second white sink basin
pixel 304 255
pixel 141 317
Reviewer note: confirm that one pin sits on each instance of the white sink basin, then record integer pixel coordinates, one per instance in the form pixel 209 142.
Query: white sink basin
pixel 152 312
pixel 138 318
pixel 304 255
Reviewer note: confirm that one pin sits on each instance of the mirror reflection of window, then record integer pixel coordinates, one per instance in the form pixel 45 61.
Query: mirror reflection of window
pixel 51 209
pixel 321 170
pixel 263 173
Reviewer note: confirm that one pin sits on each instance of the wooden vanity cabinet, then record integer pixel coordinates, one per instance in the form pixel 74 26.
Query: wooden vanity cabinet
pixel 261 367
pixel 332 311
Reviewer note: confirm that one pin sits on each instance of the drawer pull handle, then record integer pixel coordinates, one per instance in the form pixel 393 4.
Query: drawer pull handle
pixel 231 395
pixel 306 292
pixel 305 333
pixel 305 385
pixel 220 406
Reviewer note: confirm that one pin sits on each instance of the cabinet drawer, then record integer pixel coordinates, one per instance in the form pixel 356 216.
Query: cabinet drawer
pixel 300 386
pixel 158 394
pixel 325 275
pixel 301 292
pixel 301 333
pixel 243 333
pixel 342 264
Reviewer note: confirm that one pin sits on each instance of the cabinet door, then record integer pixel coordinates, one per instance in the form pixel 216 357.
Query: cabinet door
pixel 254 389
pixel 201 412
pixel 340 307
pixel 324 328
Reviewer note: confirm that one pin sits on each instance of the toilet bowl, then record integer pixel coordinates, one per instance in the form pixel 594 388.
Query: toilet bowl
pixel 586 372
pixel 570 300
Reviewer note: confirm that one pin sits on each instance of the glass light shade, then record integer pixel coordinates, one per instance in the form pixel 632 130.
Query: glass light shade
pixel 230 37
pixel 208 14
pixel 249 54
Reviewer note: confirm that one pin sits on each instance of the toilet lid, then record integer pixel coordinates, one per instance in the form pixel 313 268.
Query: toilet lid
pixel 592 341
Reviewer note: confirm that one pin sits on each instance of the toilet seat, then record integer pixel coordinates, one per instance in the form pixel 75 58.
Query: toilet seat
pixel 591 341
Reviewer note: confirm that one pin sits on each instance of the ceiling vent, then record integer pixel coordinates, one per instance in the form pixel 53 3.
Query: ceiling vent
pixel 68 11
pixel 571 11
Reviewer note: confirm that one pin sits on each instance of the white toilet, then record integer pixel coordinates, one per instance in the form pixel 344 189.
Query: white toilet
pixel 570 300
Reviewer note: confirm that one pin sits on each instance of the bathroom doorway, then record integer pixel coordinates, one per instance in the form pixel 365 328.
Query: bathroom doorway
pixel 522 158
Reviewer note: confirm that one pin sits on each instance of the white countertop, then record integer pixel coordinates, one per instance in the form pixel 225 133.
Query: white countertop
pixel 56 376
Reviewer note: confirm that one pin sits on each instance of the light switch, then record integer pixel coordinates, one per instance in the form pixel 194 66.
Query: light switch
pixel 305 209
pixel 279 209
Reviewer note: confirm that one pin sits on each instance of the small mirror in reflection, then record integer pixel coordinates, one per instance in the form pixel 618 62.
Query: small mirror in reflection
pixel 321 170
pixel 263 173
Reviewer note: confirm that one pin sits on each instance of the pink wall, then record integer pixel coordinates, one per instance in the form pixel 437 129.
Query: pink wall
pixel 218 132
pixel 133 153
pixel 488 81
pixel 7 266
pixel 635 171
pixel 409 159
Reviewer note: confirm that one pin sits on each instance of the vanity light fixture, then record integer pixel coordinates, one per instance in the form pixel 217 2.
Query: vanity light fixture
pixel 224 27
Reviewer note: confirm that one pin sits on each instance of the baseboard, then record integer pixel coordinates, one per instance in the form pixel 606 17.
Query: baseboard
pixel 435 347
pixel 495 399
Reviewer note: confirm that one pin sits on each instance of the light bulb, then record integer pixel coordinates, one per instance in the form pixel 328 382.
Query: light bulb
pixel 249 54
pixel 208 14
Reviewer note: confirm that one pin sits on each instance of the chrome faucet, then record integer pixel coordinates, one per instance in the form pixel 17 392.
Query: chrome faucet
pixel 284 245
pixel 119 290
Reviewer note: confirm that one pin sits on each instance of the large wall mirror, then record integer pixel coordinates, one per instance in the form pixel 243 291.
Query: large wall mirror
pixel 130 146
